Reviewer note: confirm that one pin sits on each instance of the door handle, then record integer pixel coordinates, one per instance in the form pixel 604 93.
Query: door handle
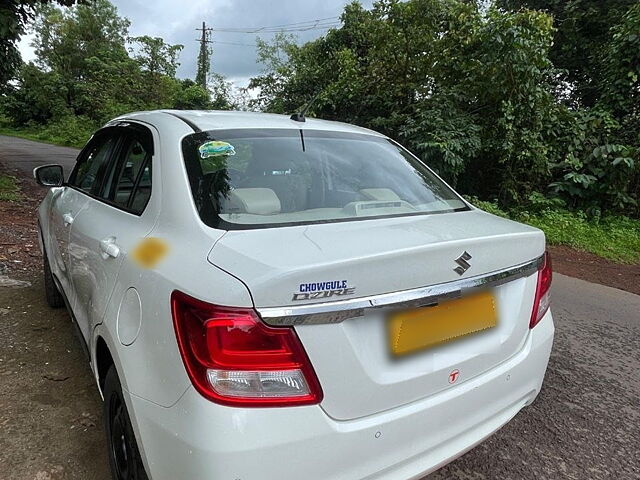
pixel 67 218
pixel 109 248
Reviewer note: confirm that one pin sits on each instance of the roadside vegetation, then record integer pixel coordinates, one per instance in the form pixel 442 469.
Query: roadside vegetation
pixel 614 237
pixel 9 189
pixel 530 106
pixel 69 131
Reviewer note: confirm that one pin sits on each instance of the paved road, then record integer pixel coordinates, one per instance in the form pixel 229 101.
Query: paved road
pixel 25 155
pixel 584 424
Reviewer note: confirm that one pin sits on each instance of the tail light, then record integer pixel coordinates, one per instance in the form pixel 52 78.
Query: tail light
pixel 542 299
pixel 234 359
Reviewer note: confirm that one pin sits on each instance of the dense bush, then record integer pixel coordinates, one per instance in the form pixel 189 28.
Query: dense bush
pixel 69 130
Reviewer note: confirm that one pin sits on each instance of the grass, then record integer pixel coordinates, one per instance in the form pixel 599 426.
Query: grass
pixel 615 238
pixel 9 190
pixel 29 135
pixel 66 131
pixel 43 136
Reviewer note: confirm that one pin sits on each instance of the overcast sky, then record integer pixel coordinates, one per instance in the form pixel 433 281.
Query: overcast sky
pixel 176 21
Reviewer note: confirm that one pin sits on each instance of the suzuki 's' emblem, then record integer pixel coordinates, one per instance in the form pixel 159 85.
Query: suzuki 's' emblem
pixel 464 265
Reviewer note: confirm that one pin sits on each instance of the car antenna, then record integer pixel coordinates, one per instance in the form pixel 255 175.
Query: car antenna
pixel 299 116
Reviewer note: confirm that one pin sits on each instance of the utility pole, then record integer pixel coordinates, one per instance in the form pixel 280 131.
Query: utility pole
pixel 204 57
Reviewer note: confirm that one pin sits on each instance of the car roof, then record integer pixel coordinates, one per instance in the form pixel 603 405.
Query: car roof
pixel 224 119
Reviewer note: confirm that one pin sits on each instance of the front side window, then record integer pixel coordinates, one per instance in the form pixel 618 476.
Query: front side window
pixel 93 165
pixel 253 178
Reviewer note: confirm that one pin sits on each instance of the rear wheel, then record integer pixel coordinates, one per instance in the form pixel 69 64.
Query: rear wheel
pixel 54 297
pixel 124 456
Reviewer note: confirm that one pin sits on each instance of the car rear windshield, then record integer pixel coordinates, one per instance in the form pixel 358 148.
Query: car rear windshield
pixel 252 178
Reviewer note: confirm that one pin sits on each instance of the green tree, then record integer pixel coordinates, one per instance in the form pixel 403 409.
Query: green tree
pixel 221 92
pixel 37 97
pixel 14 15
pixel 191 96
pixel 159 62
pixel 272 85
pixel 84 75
pixel 474 91
pixel 85 47
pixel 83 69
pixel 597 51
pixel 582 28
pixel 621 75
pixel 602 167
pixel 156 56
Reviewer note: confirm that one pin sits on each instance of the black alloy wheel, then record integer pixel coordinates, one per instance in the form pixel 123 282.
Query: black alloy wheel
pixel 124 456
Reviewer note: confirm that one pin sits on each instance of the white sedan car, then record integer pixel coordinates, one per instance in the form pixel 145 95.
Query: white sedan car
pixel 264 297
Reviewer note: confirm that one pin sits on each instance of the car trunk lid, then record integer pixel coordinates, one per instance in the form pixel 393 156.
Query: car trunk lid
pixel 336 262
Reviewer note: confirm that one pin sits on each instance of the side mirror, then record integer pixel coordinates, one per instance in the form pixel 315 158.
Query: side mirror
pixel 49 175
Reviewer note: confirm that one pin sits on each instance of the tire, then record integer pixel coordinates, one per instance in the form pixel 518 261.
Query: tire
pixel 124 457
pixel 53 295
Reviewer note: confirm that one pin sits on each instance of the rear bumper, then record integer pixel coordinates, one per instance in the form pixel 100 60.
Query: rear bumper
pixel 196 439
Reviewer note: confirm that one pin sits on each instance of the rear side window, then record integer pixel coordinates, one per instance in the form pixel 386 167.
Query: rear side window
pixel 93 164
pixel 142 193
pixel 129 184
pixel 253 178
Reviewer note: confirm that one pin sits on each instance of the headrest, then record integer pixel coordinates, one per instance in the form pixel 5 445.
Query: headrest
pixel 383 194
pixel 258 201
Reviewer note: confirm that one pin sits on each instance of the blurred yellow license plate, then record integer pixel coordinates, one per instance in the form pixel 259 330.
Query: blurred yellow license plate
pixel 425 327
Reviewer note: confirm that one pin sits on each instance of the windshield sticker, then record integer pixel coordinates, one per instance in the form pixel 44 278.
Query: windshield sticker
pixel 309 291
pixel 216 149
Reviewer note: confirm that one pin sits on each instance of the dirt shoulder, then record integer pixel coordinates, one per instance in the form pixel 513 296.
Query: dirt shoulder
pixel 19 248
pixel 594 269
pixel 50 408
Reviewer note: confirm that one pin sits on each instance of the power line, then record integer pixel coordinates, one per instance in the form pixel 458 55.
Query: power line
pixel 307 25
pixel 287 25
pixel 316 24
pixel 278 30
pixel 308 21
pixel 229 43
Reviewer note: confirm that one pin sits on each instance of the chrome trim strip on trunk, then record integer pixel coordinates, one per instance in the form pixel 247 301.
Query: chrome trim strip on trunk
pixel 338 311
